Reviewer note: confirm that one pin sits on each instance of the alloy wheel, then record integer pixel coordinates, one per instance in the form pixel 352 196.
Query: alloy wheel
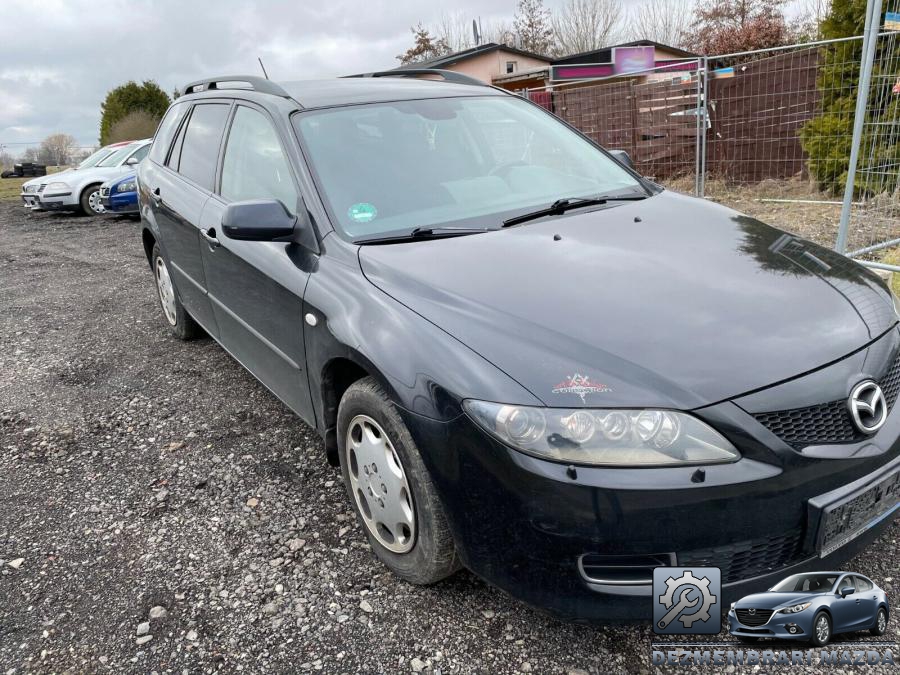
pixel 95 203
pixel 822 629
pixel 166 290
pixel 882 621
pixel 379 485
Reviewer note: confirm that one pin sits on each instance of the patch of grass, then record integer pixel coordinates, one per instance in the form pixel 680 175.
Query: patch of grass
pixel 10 188
pixel 892 257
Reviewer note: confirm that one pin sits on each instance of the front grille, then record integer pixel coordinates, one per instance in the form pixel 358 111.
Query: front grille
pixel 41 188
pixel 826 423
pixel 748 559
pixel 754 617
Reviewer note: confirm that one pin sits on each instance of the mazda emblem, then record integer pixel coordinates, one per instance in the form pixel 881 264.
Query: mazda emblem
pixel 751 611
pixel 868 407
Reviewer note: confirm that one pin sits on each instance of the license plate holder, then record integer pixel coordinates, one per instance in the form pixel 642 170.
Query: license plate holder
pixel 849 516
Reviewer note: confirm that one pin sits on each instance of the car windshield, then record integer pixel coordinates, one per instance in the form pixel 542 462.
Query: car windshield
pixel 95 157
pixel 386 168
pixel 806 583
pixel 115 158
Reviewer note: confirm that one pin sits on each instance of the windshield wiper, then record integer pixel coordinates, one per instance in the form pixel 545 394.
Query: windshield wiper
pixel 423 233
pixel 560 206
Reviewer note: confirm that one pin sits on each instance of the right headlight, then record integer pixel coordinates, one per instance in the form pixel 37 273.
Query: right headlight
pixel 604 437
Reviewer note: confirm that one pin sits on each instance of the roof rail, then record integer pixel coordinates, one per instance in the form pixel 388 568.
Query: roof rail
pixel 256 83
pixel 448 75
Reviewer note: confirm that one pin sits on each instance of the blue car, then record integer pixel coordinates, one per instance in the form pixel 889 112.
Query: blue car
pixel 811 607
pixel 119 195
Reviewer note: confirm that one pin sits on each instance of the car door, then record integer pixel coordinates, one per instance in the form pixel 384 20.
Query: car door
pixel 844 610
pixel 178 195
pixel 866 602
pixel 256 288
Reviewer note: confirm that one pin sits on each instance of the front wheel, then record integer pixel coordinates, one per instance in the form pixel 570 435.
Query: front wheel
pixel 183 326
pixel 821 632
pixel 390 488
pixel 90 202
pixel 881 620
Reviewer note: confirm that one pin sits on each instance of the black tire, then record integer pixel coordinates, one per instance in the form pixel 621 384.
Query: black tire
pixel 747 640
pixel 181 323
pixel 84 202
pixel 815 639
pixel 875 630
pixel 433 553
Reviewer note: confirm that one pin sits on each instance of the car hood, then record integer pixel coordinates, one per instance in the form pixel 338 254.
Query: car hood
pixel 671 301
pixel 774 600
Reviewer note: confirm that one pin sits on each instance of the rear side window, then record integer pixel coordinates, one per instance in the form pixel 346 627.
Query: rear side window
pixel 200 148
pixel 255 166
pixel 164 133
pixel 863 585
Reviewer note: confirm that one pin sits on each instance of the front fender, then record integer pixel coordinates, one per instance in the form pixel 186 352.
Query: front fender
pixel 425 370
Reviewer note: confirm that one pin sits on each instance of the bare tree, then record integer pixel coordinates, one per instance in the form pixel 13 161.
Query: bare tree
pixel 665 21
pixel 134 126
pixel 585 25
pixel 455 29
pixel 58 149
pixel 501 32
pixel 806 26
pixel 532 23
pixel 425 46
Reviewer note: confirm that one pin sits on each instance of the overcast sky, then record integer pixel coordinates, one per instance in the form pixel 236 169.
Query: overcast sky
pixel 60 57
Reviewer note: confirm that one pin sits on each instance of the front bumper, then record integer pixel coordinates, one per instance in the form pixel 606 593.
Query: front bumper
pixel 526 525
pixel 120 202
pixel 780 626
pixel 58 201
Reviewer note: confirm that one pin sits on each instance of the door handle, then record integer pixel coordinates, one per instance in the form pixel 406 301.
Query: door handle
pixel 210 236
pixel 156 198
pixel 857 601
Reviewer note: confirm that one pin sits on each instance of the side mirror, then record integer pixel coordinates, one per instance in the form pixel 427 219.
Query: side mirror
pixel 622 158
pixel 847 590
pixel 132 161
pixel 258 220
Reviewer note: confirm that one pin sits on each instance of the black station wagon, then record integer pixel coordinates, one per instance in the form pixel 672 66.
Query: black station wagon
pixel 526 358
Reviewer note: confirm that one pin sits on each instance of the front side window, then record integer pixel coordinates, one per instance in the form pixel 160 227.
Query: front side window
pixel 255 166
pixel 140 153
pixel 470 161
pixel 200 148
pixel 164 133
pixel 117 157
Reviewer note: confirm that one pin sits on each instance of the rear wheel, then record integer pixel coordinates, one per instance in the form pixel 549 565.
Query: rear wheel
pixel 390 488
pixel 90 202
pixel 881 620
pixel 181 323
pixel 821 632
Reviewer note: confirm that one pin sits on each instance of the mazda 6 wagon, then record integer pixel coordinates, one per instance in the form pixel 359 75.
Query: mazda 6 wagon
pixel 527 359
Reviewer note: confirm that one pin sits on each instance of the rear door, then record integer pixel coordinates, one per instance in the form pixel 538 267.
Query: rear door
pixel 866 602
pixel 256 288
pixel 179 195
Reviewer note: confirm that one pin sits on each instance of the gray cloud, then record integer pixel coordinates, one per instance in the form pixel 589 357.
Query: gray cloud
pixel 60 57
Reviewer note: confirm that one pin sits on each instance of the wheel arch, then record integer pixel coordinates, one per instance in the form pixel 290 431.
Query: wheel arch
pixel 337 375
pixel 149 241
pixel 87 186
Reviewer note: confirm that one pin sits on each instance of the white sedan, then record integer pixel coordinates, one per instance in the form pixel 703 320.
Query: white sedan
pixel 78 189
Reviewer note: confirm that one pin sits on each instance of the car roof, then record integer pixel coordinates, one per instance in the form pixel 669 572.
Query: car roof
pixel 357 90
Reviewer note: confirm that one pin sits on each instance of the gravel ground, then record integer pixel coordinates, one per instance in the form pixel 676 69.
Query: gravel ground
pixel 161 511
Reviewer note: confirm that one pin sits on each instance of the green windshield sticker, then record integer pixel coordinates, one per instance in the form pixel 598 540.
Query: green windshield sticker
pixel 362 212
